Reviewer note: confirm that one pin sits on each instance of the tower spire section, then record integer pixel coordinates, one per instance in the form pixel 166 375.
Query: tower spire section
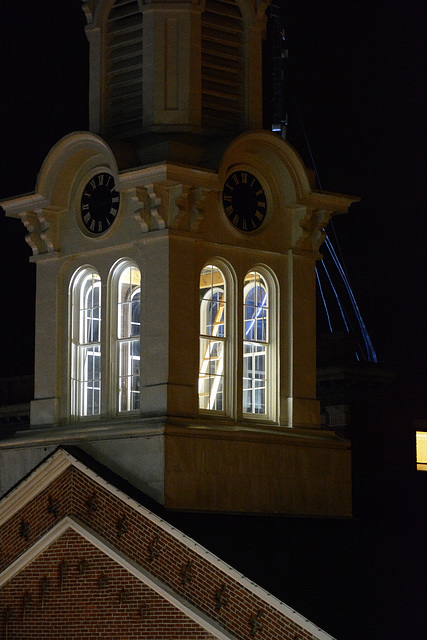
pixel 168 78
pixel 279 57
pixel 175 245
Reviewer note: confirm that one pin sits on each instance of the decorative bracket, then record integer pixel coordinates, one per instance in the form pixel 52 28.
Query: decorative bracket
pixel 187 572
pixel 124 595
pixel 41 229
pixel 221 597
pixel 153 548
pixel 146 204
pixel 83 567
pixel 168 204
pixel 25 529
pixel 191 205
pixel 122 526
pixel 256 622
pixel 92 504
pixel 53 507
pixel 309 227
pixel 88 10
pixel 169 192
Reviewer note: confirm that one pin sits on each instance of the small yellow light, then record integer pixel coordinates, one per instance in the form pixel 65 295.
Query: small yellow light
pixel 421 439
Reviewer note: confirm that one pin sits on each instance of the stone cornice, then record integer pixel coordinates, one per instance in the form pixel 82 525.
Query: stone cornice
pixel 333 202
pixel 72 434
pixel 16 207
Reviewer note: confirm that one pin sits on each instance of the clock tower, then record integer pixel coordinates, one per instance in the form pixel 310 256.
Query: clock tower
pixel 175 245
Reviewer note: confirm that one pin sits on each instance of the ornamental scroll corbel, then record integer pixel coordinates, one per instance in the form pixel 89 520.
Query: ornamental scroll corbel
pixel 191 205
pixel 41 229
pixel 146 204
pixel 309 229
pixel 88 7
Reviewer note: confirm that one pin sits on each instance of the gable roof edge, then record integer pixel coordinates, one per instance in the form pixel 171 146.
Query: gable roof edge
pixel 61 459
pixel 35 482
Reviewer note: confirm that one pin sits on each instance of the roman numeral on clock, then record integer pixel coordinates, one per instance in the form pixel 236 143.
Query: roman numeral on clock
pixel 244 201
pixel 99 204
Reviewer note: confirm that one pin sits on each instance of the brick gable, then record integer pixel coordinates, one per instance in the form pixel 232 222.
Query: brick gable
pixel 73 590
pixel 77 515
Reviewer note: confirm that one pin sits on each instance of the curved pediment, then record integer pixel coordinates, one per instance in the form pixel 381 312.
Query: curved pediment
pixel 68 162
pixel 298 212
pixel 278 159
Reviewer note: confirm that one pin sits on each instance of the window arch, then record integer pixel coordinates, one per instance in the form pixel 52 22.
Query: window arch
pixel 213 339
pixel 86 343
pixel 256 344
pixel 126 322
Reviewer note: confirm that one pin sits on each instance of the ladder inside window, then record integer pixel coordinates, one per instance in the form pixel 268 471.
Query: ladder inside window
pixel 212 365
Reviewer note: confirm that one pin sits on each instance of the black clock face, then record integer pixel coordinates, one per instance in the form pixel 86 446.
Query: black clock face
pixel 244 201
pixel 99 203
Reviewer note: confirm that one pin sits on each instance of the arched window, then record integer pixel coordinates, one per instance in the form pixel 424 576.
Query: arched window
pixel 86 343
pixel 213 337
pixel 255 344
pixel 127 281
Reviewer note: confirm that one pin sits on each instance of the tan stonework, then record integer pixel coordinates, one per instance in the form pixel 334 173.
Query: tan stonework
pixel 171 224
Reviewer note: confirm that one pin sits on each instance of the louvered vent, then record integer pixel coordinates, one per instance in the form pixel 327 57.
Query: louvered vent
pixel 222 65
pixel 124 74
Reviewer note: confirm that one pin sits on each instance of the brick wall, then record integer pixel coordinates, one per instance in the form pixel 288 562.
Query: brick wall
pixel 73 591
pixel 200 579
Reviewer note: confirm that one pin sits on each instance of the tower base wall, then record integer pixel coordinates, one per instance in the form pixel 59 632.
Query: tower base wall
pixel 256 472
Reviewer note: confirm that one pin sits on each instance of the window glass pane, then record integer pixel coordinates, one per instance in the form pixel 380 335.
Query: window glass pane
pixel 212 301
pixel 91 380
pixel 135 313
pixel 211 378
pixel 212 340
pixel 85 347
pixel 129 378
pixel 255 343
pixel 254 378
pixel 128 338
pixel 129 290
pixel 90 308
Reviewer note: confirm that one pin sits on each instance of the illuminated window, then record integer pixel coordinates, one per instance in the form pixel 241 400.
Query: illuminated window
pixel 219 369
pixel 122 350
pixel 86 344
pixel 213 337
pixel 255 344
pixel 127 302
pixel 421 450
